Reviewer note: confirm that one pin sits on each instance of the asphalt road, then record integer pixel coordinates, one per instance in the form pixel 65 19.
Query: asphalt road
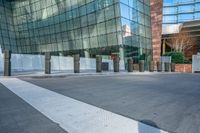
pixel 167 101
pixel 17 116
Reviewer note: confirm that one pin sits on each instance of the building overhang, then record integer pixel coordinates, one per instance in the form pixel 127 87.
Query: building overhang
pixel 191 27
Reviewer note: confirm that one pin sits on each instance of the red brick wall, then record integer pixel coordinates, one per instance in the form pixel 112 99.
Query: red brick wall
pixel 156 23
pixel 185 68
pixel 190 52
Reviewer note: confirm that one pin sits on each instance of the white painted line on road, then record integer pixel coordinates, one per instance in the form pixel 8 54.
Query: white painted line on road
pixel 72 115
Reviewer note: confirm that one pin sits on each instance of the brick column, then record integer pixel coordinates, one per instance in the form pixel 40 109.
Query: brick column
pixel 156 23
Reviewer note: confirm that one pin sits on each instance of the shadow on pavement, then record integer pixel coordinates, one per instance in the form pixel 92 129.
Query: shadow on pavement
pixel 143 128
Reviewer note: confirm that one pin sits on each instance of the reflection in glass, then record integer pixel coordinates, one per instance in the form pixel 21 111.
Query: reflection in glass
pixel 67 27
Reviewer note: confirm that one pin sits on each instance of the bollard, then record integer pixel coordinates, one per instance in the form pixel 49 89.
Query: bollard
pixel 116 64
pixel 173 67
pixel 77 63
pixel 167 67
pixel 130 65
pixel 151 66
pixel 7 63
pixel 159 66
pixel 98 64
pixel 47 63
pixel 141 65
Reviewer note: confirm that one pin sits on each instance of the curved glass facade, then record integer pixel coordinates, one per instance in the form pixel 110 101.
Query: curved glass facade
pixel 7 33
pixel 87 27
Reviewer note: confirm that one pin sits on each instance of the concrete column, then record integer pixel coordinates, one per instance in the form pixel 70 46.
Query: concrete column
pixel 130 65
pixel 7 63
pixel 151 66
pixel 116 63
pixel 121 53
pixel 167 67
pixel 87 54
pixel 141 65
pixel 173 67
pixel 159 66
pixel 47 63
pixel 98 63
pixel 77 63
pixel 61 54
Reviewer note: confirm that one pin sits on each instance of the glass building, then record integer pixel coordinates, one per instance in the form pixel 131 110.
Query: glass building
pixel 86 27
pixel 176 12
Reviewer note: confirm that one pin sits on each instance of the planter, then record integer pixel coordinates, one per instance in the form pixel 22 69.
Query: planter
pixel 183 68
pixel 130 65
pixel 141 65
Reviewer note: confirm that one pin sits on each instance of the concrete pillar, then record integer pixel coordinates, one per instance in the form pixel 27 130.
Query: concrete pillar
pixel 159 66
pixel 98 63
pixel 141 65
pixel 151 66
pixel 77 63
pixel 167 67
pixel 87 54
pixel 130 65
pixel 173 67
pixel 61 54
pixel 47 63
pixel 116 63
pixel 121 53
pixel 7 63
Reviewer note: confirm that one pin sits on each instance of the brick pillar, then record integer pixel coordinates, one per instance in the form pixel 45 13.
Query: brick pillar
pixel 156 23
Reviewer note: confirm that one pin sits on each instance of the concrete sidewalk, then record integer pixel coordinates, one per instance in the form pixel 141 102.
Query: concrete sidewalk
pixel 54 74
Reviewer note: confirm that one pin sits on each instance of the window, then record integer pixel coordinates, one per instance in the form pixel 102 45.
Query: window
pixel 188 8
pixel 185 17
pixel 124 11
pixel 169 19
pixel 197 16
pixel 169 10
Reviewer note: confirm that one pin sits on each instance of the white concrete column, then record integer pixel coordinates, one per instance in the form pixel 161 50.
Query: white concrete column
pixel 121 54
pixel 87 54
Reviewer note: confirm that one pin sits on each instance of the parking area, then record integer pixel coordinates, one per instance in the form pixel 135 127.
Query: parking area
pixel 166 101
